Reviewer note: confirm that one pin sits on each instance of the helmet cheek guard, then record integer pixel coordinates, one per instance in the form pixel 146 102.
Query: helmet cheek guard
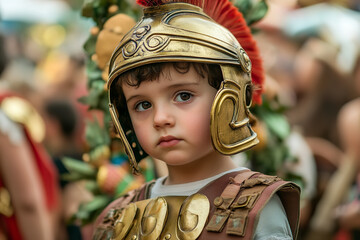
pixel 133 150
pixel 230 125
pixel 179 32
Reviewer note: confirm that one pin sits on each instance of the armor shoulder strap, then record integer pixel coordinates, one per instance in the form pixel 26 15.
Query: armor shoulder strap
pixel 144 191
pixel 240 202
pixel 289 194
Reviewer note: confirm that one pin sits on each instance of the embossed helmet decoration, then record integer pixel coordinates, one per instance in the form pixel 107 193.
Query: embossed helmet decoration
pixel 183 32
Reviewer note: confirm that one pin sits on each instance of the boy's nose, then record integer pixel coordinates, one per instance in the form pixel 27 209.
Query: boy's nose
pixel 163 118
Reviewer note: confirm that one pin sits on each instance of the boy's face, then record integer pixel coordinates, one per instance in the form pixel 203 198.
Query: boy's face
pixel 171 116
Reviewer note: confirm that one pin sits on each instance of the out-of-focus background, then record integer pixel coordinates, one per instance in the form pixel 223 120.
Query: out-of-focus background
pixel 54 57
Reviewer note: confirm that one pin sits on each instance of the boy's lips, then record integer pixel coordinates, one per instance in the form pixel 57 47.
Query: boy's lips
pixel 168 141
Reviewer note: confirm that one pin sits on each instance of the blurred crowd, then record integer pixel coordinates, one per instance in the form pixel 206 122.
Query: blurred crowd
pixel 311 53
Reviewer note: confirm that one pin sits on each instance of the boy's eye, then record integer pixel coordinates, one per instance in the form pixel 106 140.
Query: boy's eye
pixel 183 97
pixel 142 106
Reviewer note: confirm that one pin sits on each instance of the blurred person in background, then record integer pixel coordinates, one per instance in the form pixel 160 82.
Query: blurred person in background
pixel 303 57
pixel 61 120
pixel 348 215
pixel 29 195
pixel 62 130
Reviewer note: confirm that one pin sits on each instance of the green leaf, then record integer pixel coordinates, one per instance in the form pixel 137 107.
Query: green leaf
pixel 92 186
pixel 90 45
pixel 93 73
pixel 299 180
pixel 87 9
pixel 82 215
pixel 244 6
pixel 88 212
pixel 96 135
pixel 257 12
pixel 99 202
pixel 278 124
pixel 73 177
pixel 96 96
pixel 79 167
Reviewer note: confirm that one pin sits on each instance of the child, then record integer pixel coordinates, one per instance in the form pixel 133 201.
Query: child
pixel 180 91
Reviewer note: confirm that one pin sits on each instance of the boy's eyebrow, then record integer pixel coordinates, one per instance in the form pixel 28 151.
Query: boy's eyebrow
pixel 178 85
pixel 130 98
pixel 183 85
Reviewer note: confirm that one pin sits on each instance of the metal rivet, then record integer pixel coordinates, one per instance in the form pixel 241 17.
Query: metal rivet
pixel 140 31
pixel 242 200
pixel 133 144
pixel 246 57
pixel 218 201
pixel 167 236
pixel 134 237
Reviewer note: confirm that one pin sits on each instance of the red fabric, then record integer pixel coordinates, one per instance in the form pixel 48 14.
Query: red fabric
pixel 343 234
pixel 47 173
pixel 147 3
pixel 227 15
pixel 4 95
pixel 48 176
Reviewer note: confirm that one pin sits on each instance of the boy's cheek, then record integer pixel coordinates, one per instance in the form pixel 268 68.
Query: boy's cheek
pixel 198 126
pixel 139 131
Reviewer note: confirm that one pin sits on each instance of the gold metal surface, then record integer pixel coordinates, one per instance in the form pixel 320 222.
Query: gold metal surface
pixel 192 217
pixel 21 111
pixel 125 221
pixel 5 203
pixel 154 218
pixel 121 133
pixel 178 32
pixel 179 218
pixel 230 128
pixel 218 201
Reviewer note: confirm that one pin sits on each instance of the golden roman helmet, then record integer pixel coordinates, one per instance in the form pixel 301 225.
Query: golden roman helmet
pixel 178 32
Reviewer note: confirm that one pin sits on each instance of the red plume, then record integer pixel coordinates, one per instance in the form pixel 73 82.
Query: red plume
pixel 227 15
pixel 149 3
pixel 153 3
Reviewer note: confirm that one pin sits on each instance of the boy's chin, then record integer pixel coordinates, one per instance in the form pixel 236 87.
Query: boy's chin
pixel 176 160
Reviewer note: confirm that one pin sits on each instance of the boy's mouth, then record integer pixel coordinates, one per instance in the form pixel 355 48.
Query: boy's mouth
pixel 168 141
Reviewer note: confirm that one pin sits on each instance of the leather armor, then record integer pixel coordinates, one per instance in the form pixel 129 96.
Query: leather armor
pixel 227 208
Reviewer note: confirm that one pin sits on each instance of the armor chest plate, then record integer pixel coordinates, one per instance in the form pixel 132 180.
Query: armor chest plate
pixel 161 218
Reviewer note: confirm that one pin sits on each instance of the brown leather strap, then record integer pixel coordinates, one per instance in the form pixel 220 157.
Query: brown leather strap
pixel 223 202
pixel 253 194
pixel 233 188
pixel 269 191
pixel 289 196
pixel 216 187
pixel 238 220
pixel 213 190
pixel 144 191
